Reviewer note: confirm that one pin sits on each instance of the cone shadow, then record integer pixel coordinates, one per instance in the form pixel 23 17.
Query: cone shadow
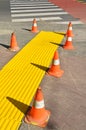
pixel 60 33
pixel 52 124
pixel 6 46
pixel 41 67
pixel 21 106
pixel 57 44
pixel 26 29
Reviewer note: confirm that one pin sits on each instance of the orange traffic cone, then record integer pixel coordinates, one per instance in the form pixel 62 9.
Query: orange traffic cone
pixel 68 44
pixel 55 67
pixel 34 27
pixel 69 30
pixel 13 43
pixel 37 114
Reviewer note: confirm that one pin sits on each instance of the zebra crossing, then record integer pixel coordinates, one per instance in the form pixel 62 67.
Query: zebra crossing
pixel 42 10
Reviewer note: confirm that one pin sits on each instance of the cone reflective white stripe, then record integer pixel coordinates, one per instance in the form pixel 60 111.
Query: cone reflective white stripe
pixel 68 44
pixel 56 62
pixel 35 25
pixel 69 38
pixel 70 28
pixel 39 104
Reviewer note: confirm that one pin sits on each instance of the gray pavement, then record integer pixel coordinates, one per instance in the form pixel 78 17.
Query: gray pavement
pixel 65 97
pixel 5 10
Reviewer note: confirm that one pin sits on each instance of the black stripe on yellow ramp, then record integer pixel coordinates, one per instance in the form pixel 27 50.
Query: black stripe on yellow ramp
pixel 21 76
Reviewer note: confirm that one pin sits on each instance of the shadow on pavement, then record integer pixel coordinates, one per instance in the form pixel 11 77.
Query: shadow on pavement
pixel 26 29
pixel 6 46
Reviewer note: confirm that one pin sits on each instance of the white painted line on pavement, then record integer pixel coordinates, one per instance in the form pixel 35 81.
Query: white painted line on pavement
pixel 38 14
pixel 38 19
pixel 29 2
pixel 37 10
pixel 34 7
pixel 66 22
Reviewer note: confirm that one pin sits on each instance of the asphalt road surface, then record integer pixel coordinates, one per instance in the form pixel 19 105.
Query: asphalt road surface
pixel 5 10
pixel 25 11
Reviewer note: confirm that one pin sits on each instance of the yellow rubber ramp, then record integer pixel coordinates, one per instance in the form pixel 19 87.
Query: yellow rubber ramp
pixel 21 76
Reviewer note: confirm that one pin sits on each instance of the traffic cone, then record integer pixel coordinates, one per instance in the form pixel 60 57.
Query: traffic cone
pixel 13 43
pixel 34 27
pixel 69 30
pixel 55 67
pixel 38 115
pixel 68 44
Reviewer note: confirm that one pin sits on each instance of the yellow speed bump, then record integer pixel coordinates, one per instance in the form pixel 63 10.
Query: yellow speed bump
pixel 21 76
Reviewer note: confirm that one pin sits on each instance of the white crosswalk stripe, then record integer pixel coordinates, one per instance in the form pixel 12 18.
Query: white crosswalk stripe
pixel 32 4
pixel 36 7
pixel 38 14
pixel 37 10
pixel 38 19
pixel 25 11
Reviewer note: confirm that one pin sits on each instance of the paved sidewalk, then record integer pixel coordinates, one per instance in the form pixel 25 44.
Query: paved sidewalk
pixel 74 7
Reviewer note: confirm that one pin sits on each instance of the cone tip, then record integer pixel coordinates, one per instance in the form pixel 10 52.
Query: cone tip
pixel 39 88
